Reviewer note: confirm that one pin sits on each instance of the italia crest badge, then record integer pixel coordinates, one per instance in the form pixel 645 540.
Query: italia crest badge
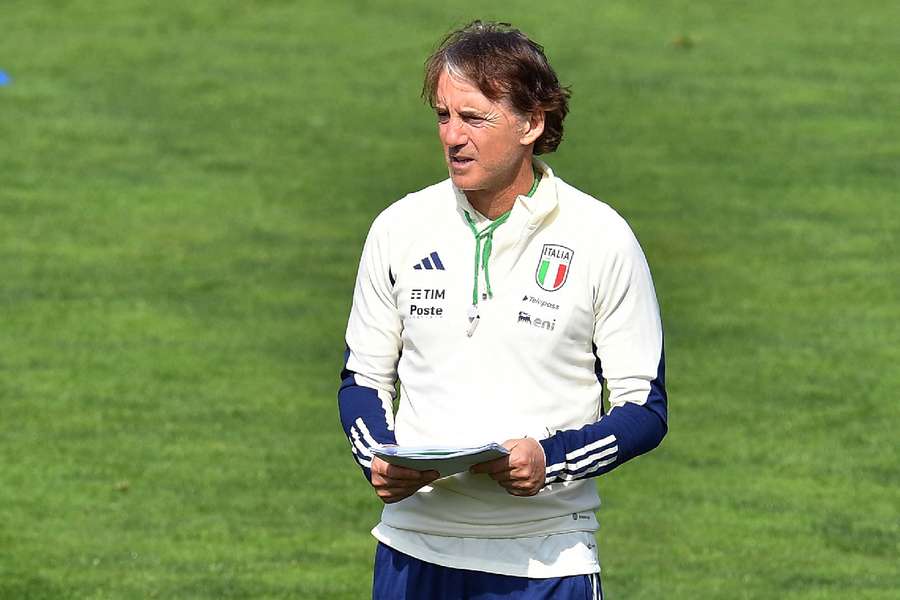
pixel 553 267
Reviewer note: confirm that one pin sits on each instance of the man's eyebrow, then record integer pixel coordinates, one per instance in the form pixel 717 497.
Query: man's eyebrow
pixel 467 113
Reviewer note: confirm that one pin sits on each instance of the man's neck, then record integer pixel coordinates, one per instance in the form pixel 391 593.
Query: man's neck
pixel 492 204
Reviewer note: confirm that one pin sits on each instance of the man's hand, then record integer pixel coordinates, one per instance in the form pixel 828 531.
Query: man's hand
pixel 393 483
pixel 522 472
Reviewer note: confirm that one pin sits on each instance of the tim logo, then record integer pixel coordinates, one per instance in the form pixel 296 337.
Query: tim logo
pixel 426 294
pixel 417 295
pixel 553 267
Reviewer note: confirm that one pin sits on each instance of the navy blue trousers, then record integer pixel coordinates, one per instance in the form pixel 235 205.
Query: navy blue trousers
pixel 399 576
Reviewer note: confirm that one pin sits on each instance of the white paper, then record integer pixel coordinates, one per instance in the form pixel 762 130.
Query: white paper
pixel 443 459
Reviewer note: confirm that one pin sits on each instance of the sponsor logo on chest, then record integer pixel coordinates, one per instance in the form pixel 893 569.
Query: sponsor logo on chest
pixel 527 319
pixel 540 302
pixel 428 310
pixel 553 267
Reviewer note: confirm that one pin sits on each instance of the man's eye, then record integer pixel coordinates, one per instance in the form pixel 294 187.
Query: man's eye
pixel 443 117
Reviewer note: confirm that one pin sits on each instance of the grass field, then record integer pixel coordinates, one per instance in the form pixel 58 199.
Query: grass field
pixel 184 191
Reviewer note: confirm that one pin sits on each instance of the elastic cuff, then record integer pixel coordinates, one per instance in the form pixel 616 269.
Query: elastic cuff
pixel 554 454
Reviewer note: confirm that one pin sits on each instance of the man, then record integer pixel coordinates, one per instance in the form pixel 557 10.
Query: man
pixel 502 299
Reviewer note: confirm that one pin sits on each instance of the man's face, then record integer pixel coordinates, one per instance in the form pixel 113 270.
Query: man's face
pixel 483 140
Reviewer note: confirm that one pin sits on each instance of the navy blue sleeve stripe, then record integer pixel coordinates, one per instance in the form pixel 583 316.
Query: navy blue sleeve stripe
pixel 582 473
pixel 360 444
pixel 595 451
pixel 347 374
pixel 585 460
pixel 628 430
pixel 363 418
pixel 598 371
pixel 658 400
pixel 363 461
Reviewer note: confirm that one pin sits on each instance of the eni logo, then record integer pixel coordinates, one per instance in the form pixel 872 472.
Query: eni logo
pixel 547 324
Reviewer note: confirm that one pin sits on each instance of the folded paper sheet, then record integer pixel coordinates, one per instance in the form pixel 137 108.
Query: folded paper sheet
pixel 445 460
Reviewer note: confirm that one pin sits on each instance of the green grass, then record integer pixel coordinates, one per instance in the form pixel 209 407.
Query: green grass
pixel 184 191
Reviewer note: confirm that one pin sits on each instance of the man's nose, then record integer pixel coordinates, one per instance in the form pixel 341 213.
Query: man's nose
pixel 453 134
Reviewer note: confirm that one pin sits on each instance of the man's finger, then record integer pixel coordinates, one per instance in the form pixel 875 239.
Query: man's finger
pixel 511 488
pixel 492 466
pixel 391 495
pixel 518 488
pixel 404 474
pixel 398 489
pixel 510 444
pixel 400 484
pixel 395 490
pixel 501 476
pixel 390 471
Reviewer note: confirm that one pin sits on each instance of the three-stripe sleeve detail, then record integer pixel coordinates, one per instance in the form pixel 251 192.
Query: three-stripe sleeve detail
pixel 365 415
pixel 627 431
pixel 584 461
pixel 361 443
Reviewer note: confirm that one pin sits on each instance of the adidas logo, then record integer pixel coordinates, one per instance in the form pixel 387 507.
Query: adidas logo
pixel 432 261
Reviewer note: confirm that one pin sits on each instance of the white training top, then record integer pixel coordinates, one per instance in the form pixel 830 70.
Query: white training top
pixel 568 277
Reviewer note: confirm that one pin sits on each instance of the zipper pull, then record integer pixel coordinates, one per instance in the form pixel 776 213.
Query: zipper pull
pixel 474 318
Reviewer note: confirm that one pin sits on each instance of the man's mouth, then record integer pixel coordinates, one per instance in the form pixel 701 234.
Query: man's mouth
pixel 460 161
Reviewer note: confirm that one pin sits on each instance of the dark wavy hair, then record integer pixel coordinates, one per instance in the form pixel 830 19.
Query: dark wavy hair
pixel 503 64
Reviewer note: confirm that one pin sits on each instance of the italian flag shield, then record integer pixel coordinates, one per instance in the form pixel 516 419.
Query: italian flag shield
pixel 553 267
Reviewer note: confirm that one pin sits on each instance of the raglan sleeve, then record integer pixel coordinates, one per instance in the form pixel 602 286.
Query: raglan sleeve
pixel 369 376
pixel 628 343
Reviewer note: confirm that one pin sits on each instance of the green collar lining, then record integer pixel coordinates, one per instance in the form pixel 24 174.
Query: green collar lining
pixel 537 180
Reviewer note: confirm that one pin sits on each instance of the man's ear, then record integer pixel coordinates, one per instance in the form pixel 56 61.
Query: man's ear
pixel 532 127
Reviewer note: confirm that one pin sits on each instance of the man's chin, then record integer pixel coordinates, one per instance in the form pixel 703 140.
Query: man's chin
pixel 464 183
